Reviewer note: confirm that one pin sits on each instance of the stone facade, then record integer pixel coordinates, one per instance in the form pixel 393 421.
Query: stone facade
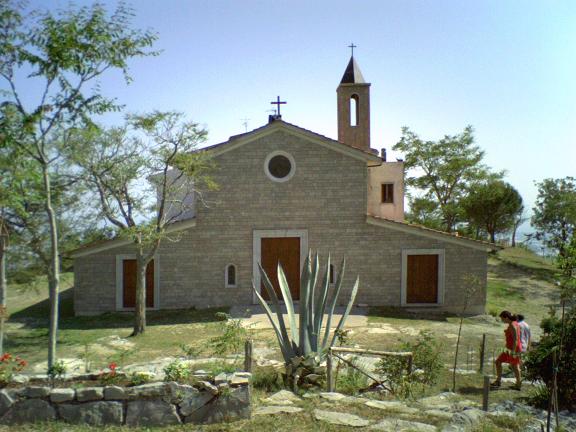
pixel 326 200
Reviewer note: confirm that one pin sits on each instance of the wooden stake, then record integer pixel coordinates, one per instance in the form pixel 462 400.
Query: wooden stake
pixel 486 393
pixel 248 356
pixel 329 381
pixel 482 353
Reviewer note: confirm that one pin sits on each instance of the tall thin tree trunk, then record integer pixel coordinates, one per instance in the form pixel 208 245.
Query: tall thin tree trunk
pixel 54 273
pixel 140 306
pixel 3 287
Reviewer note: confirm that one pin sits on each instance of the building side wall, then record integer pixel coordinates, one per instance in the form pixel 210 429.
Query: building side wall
pixel 388 172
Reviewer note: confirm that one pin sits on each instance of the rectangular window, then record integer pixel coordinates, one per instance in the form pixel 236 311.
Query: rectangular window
pixel 387 192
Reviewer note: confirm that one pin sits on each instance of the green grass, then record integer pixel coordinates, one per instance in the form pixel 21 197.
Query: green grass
pixel 27 333
pixel 524 259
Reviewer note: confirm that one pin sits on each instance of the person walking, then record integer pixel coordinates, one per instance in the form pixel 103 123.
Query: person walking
pixel 525 333
pixel 512 353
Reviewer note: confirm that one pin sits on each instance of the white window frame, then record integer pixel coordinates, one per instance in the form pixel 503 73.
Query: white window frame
pixel 235 284
pixel 120 279
pixel 257 237
pixel 441 275
pixel 292 163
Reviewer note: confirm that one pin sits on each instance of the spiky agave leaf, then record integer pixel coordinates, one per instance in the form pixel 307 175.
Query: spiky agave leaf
pixel 287 295
pixel 304 340
pixel 311 299
pixel 272 294
pixel 332 306
pixel 320 306
pixel 348 308
pixel 286 353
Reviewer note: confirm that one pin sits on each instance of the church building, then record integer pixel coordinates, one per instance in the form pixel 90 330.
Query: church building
pixel 284 190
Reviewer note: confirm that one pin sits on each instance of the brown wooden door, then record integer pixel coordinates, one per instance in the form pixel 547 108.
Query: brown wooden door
pixel 422 279
pixel 129 283
pixel 285 250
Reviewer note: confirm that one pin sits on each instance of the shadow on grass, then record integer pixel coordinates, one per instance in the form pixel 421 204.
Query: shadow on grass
pixel 36 316
pixel 470 390
pixel 401 313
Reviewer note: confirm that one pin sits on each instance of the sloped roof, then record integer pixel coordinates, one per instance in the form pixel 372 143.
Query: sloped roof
pixel 352 74
pixel 236 141
pixel 102 245
pixel 431 233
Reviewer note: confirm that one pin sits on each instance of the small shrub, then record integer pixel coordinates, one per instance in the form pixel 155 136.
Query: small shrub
pixel 518 423
pixel 57 370
pixel 539 362
pixel 538 396
pixel 352 381
pixel 139 378
pixel 10 365
pixel 177 371
pixel 493 312
pixel 189 351
pixel 109 376
pixel 268 379
pixel 426 367
pixel 231 337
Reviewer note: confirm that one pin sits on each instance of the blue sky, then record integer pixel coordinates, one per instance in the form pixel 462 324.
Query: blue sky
pixel 506 67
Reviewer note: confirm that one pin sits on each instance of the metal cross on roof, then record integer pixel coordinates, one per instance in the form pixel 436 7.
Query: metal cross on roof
pixel 352 46
pixel 278 103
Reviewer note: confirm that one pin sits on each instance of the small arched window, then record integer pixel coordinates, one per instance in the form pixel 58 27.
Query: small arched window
pixel 231 276
pixel 354 110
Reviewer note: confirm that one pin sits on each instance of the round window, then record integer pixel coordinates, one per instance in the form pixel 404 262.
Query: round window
pixel 279 166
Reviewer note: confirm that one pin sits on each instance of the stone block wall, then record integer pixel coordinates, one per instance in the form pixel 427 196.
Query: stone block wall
pixel 327 198
pixel 148 405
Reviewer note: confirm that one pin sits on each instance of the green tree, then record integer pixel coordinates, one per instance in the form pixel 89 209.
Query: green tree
pixel 62 54
pixel 443 170
pixel 554 215
pixel 493 206
pixel 124 170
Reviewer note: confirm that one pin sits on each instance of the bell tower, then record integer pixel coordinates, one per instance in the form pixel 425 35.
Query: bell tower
pixel 354 108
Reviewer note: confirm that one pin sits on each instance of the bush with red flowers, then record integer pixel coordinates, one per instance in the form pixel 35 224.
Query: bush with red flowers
pixel 9 365
pixel 109 375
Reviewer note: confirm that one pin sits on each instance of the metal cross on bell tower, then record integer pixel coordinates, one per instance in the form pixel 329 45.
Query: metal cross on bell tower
pixel 352 46
pixel 278 103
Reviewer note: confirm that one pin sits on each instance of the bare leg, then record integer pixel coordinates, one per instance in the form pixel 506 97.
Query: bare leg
pixel 516 369
pixel 498 364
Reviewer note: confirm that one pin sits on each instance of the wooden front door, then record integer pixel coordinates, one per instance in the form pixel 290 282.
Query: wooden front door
pixel 129 283
pixel 422 279
pixel 285 250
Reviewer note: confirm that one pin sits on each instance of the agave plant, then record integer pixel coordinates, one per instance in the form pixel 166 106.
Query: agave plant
pixel 305 339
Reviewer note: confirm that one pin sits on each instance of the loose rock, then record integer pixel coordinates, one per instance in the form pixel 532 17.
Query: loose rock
pixel 340 418
pixel 277 409
pixel 283 397
pixel 396 425
pixel 93 413
pixel 90 394
pixel 29 411
pixel 332 396
pixel 193 402
pixel 59 395
pixel 151 413
pixel 37 392
pixel 6 401
pixel 114 393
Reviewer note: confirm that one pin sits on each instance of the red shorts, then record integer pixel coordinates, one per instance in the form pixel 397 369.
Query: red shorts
pixel 508 358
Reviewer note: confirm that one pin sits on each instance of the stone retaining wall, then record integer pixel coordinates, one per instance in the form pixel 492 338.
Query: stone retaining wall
pixel 154 404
